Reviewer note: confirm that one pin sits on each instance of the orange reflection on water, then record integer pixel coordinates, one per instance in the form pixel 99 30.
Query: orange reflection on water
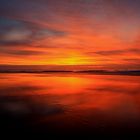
pixel 73 98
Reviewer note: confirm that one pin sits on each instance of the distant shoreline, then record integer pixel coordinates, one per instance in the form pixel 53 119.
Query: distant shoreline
pixel 96 72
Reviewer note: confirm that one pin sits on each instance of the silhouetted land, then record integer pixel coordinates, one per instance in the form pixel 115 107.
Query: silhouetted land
pixel 101 72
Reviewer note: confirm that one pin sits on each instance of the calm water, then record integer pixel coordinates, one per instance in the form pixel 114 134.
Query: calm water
pixel 70 103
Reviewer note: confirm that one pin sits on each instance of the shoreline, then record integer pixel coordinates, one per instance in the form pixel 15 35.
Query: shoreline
pixel 129 73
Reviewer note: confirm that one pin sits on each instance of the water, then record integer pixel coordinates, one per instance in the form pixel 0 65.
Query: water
pixel 70 103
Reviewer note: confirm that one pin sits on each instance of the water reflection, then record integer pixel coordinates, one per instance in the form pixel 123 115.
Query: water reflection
pixel 70 103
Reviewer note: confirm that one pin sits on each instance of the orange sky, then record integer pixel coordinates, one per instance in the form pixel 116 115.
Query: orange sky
pixel 70 32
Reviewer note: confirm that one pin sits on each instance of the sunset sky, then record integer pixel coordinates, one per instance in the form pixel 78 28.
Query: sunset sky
pixel 98 33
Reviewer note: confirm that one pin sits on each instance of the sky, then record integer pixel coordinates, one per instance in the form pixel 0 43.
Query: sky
pixel 103 34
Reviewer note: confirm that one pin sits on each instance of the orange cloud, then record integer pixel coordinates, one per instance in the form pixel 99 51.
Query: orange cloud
pixel 79 32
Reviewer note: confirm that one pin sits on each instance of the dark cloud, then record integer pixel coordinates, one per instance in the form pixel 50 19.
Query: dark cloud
pixel 17 35
pixel 14 32
pixel 106 53
pixel 18 32
pixel 135 50
pixel 115 52
pixel 112 52
pixel 13 43
pixel 135 60
pixel 22 52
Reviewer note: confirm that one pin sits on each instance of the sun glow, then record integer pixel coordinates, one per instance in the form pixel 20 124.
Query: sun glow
pixel 70 61
pixel 73 60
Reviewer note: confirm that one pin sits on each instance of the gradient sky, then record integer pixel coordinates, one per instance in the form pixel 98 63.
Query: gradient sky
pixel 98 33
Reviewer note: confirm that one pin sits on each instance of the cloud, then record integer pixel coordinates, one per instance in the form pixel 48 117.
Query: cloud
pixel 115 52
pixel 23 52
pixel 20 38
pixel 91 31
pixel 13 32
pixel 18 32
pixel 135 60
pixel 112 52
